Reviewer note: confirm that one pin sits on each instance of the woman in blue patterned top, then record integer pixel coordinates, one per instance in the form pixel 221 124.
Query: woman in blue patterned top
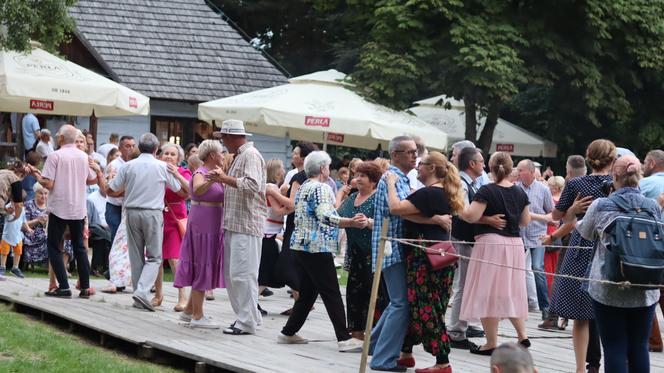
pixel 313 243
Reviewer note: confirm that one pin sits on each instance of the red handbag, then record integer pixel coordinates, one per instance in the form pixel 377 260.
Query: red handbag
pixel 441 255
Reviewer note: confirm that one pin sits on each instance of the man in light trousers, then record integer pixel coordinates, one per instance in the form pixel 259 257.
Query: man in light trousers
pixel 245 211
pixel 144 181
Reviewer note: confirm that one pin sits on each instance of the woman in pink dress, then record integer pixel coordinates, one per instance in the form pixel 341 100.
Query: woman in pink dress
pixel 495 292
pixel 202 247
pixel 174 211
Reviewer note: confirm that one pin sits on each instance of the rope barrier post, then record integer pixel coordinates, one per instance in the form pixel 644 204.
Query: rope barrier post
pixel 374 295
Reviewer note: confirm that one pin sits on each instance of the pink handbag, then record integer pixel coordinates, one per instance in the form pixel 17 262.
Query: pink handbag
pixel 439 261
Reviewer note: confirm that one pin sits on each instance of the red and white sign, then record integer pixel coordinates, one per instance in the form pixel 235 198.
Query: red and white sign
pixel 505 148
pixel 310 121
pixel 133 102
pixel 41 105
pixel 335 137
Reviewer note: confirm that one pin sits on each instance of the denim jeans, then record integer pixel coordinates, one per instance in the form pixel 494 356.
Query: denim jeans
pixel 113 217
pixel 388 334
pixel 537 256
pixel 624 333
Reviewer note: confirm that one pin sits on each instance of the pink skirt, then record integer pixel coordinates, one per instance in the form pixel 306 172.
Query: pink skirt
pixel 494 291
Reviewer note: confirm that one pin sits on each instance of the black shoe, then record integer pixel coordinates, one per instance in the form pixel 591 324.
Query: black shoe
pixel 474 332
pixel 85 294
pixel 525 343
pixel 119 289
pixel 486 352
pixel 463 344
pixel 262 311
pixel 267 292
pixel 232 330
pixel 398 368
pixel 59 293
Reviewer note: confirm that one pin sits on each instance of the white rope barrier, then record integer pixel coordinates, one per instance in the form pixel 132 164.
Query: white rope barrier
pixel 624 284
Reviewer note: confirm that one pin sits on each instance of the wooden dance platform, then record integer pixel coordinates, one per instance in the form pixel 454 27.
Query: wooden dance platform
pixel 112 316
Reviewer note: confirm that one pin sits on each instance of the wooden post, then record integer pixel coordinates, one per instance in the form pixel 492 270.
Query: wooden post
pixel 93 127
pixel 374 295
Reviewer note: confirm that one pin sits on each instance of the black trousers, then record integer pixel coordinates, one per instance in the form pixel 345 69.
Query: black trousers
pixel 55 233
pixel 317 275
pixel 594 352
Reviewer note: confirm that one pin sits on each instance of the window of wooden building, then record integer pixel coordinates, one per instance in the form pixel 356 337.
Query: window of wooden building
pixel 180 131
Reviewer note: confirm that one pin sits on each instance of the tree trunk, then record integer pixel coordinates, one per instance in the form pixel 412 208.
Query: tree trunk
pixel 486 136
pixel 471 118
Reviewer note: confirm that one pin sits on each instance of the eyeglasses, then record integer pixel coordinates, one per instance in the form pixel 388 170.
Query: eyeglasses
pixel 478 160
pixel 409 152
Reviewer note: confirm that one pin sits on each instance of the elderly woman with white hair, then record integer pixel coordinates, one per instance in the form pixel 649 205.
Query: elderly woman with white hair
pixel 203 245
pixel 175 223
pixel 314 241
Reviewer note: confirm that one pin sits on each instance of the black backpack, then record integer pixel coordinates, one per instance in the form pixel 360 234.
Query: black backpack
pixel 461 229
pixel 635 250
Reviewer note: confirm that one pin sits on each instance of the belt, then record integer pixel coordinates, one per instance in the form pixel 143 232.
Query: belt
pixel 204 203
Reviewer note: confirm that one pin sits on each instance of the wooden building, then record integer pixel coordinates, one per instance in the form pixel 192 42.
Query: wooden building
pixel 177 52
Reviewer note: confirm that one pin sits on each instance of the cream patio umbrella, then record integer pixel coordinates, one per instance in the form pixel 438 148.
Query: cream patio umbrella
pixel 506 137
pixel 41 83
pixel 320 107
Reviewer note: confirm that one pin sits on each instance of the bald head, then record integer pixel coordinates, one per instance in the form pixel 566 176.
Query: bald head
pixel 511 358
pixel 68 134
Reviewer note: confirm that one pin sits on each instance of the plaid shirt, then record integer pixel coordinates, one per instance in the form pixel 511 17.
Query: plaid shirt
pixel 541 202
pixel 382 210
pixel 245 209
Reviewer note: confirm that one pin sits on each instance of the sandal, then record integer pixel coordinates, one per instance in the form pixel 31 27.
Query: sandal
pixel 110 290
pixel 179 308
pixel 156 302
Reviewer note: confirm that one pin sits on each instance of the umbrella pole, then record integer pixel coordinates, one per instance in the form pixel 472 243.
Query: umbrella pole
pixel 93 126
pixel 324 141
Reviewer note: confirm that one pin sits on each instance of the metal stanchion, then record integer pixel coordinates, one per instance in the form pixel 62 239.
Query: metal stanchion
pixel 374 295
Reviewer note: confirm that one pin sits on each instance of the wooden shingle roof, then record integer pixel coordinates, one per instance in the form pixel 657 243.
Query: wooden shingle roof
pixel 172 49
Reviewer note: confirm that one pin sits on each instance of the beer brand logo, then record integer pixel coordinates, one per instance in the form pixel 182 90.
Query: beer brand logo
pixel 316 121
pixel 505 147
pixel 41 105
pixel 335 137
pixel 133 102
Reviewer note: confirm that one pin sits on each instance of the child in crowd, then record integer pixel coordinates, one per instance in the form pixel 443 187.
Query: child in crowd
pixel 12 240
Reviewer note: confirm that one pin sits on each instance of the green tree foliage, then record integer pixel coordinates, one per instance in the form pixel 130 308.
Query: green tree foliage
pixel 45 21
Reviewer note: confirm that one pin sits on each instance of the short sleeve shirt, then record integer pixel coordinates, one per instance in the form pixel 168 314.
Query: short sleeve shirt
pixel 502 200
pixel 429 201
pixel 30 125
pixel 144 181
pixel 68 169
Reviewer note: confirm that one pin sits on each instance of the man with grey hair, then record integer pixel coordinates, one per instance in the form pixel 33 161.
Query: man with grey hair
pixel 540 206
pixel 144 181
pixel 66 174
pixel 245 211
pixel 45 145
pixel 511 358
pixel 421 153
pixel 388 335
pixel 576 166
pixel 456 150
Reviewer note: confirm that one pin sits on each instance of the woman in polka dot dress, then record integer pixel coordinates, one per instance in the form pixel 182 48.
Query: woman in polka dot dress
pixel 569 298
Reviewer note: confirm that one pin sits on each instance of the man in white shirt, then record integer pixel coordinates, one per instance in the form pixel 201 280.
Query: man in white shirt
pixel 412 175
pixel 112 143
pixel 114 204
pixel 45 144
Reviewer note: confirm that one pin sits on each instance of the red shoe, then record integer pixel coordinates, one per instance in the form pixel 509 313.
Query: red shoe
pixel 435 369
pixel 408 362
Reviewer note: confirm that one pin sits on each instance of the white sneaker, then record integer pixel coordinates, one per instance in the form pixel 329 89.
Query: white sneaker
pixel 351 345
pixel 203 323
pixel 186 317
pixel 291 339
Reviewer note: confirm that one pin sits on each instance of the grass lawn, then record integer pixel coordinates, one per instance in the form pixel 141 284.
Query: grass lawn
pixel 27 345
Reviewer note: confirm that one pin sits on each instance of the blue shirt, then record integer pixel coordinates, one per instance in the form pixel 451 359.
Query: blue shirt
pixel 653 185
pixel 12 233
pixel 381 211
pixel 30 125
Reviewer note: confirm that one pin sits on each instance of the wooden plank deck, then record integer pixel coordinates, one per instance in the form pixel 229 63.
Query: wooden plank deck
pixel 113 315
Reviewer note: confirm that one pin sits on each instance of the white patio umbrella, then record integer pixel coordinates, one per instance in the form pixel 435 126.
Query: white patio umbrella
pixel 320 107
pixel 41 83
pixel 506 137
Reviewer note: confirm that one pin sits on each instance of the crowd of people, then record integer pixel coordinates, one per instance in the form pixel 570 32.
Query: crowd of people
pixel 220 216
